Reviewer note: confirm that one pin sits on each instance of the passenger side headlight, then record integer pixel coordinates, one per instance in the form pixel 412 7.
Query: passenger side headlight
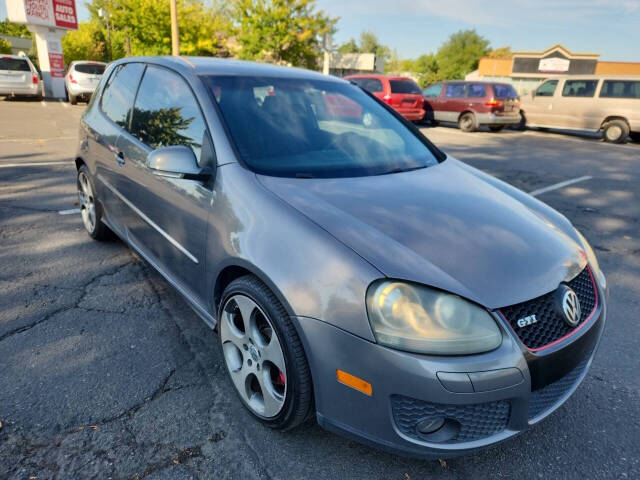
pixel 423 320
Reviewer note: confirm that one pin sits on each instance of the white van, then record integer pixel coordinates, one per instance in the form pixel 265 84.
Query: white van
pixel 610 103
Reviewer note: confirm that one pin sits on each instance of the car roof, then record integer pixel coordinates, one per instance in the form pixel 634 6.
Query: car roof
pixel 15 57
pixel 378 76
pixel 229 67
pixel 84 62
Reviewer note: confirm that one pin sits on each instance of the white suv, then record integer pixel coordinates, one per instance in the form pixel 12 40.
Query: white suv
pixel 82 78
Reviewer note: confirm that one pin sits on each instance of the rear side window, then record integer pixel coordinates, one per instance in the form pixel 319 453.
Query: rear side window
pixel 432 91
pixel 404 86
pixel 15 64
pixel 91 69
pixel 579 88
pixel 620 89
pixel 476 90
pixel 369 84
pixel 118 95
pixel 504 91
pixel 547 89
pixel 455 90
pixel 166 112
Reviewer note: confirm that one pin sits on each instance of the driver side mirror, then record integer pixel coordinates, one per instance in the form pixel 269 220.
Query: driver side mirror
pixel 177 161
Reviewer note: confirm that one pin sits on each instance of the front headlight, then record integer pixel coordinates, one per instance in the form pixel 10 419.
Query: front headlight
pixel 592 259
pixel 423 320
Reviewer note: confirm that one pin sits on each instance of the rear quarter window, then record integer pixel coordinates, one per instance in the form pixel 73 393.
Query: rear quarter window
pixel 504 91
pixel 404 86
pixel 620 89
pixel 14 64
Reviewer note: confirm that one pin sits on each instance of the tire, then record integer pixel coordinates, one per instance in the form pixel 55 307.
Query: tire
pixel 272 379
pixel 635 136
pixel 467 122
pixel 73 100
pixel 90 207
pixel 522 124
pixel 616 131
pixel 496 128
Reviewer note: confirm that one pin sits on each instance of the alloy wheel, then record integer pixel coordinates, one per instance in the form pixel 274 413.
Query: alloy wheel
pixel 254 356
pixel 87 203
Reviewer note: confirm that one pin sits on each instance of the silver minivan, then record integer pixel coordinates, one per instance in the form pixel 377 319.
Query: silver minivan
pixel 18 77
pixel 607 103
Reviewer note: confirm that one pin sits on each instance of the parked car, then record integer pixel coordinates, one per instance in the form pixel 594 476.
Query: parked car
pixel 354 272
pixel 594 103
pixel 82 78
pixel 401 93
pixel 19 77
pixel 472 104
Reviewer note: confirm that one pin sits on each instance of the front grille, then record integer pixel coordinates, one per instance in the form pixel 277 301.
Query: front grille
pixel 476 421
pixel 546 397
pixel 550 327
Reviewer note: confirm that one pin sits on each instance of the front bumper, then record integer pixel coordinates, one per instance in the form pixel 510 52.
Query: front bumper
pixel 406 389
pixel 492 119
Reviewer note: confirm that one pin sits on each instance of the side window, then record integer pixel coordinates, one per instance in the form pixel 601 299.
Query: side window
pixel 166 113
pixel 547 89
pixel 118 94
pixel 476 90
pixel 432 91
pixel 372 85
pixel 620 89
pixel 579 88
pixel 455 90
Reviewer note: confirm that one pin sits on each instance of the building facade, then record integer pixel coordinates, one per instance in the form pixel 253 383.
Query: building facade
pixel 525 70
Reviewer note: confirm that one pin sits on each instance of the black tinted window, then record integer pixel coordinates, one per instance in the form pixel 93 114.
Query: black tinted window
pixel 476 90
pixel 90 68
pixel 117 99
pixel 16 64
pixel 547 89
pixel 455 90
pixel 620 89
pixel 579 88
pixel 404 86
pixel 369 84
pixel 166 112
pixel 504 91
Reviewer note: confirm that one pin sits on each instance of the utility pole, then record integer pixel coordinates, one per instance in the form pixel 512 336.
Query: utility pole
pixel 175 36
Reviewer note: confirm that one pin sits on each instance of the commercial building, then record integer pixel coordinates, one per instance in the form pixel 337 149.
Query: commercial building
pixel 341 64
pixel 525 70
pixel 18 44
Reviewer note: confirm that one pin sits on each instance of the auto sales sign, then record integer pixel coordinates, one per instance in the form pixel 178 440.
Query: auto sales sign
pixel 47 13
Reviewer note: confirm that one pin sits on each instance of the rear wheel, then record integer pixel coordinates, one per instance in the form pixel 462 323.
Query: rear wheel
pixel 615 131
pixel 496 128
pixel 264 356
pixel 467 122
pixel 73 100
pixel 90 208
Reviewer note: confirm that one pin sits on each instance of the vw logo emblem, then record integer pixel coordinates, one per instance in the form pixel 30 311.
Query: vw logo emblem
pixel 571 307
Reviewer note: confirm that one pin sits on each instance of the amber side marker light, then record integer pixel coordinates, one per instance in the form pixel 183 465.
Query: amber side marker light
pixel 354 382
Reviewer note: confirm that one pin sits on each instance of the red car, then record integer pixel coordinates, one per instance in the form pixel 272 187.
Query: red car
pixel 401 93
pixel 471 104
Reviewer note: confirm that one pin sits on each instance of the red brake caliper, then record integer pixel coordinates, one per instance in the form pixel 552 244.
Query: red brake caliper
pixel 281 379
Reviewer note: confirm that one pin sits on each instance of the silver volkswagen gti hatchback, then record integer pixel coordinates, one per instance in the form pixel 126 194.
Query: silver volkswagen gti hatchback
pixel 353 271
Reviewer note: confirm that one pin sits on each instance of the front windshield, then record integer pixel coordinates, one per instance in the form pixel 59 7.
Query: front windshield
pixel 314 129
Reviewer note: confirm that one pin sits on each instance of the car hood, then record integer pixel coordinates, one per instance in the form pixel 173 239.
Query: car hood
pixel 445 226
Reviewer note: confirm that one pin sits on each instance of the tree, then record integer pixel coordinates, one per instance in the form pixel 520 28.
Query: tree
pixel 426 66
pixel 349 47
pixel 5 46
pixel 460 54
pixel 369 44
pixel 502 52
pixel 86 43
pixel 14 29
pixel 281 31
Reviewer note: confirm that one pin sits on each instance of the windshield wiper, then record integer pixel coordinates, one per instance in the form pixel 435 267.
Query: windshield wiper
pixel 402 170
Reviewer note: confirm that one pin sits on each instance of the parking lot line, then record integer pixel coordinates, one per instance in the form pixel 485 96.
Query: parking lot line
pixel 556 186
pixel 34 164
pixel 27 140
pixel 71 211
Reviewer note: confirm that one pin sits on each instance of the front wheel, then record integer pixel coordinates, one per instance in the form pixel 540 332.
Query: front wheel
pixel 467 122
pixel 263 354
pixel 615 131
pixel 90 208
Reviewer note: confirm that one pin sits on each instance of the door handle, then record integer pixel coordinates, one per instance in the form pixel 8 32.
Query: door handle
pixel 119 158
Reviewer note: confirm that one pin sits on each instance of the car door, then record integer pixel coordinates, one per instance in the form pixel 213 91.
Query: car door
pixel 105 127
pixel 539 110
pixel 575 107
pixel 167 217
pixel 475 98
pixel 453 103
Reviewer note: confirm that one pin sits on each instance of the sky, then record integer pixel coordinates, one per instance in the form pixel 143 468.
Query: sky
pixel 413 27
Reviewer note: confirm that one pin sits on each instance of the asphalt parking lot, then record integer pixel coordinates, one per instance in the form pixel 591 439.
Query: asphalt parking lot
pixel 105 372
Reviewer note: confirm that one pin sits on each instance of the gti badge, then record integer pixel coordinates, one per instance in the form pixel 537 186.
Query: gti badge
pixel 526 321
pixel 571 307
